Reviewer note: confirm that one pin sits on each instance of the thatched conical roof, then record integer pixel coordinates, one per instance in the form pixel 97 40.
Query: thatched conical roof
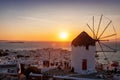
pixel 83 39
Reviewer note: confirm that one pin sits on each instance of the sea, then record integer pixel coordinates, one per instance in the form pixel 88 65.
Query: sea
pixel 33 45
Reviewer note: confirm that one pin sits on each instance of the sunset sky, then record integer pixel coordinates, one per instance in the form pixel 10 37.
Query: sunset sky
pixel 45 20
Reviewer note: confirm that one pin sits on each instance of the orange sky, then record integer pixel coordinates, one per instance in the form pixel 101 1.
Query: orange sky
pixel 44 21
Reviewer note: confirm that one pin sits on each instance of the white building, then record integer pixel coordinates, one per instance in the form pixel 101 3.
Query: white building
pixel 83 54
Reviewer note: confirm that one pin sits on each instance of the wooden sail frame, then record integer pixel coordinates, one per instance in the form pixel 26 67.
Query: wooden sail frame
pixel 98 37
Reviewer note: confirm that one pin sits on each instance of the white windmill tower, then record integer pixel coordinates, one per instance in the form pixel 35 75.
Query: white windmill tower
pixel 83 54
pixel 84 48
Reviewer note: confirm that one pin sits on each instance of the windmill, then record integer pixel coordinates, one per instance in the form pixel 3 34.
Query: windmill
pixel 103 31
pixel 85 47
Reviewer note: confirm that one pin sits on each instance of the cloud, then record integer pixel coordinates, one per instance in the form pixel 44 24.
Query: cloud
pixel 39 20
pixel 50 19
pixel 29 18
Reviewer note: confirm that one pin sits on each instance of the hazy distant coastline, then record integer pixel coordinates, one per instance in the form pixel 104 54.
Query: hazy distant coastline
pixel 29 45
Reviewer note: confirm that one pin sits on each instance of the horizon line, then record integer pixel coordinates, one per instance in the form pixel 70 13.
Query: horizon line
pixel 31 41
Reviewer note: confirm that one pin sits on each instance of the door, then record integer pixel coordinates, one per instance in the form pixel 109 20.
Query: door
pixel 84 64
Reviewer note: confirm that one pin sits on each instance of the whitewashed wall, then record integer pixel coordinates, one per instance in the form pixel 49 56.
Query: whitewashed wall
pixel 78 54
